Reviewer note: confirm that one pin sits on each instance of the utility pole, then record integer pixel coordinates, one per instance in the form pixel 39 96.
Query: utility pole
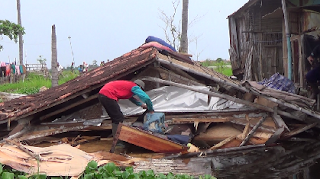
pixel 71 49
pixel 20 34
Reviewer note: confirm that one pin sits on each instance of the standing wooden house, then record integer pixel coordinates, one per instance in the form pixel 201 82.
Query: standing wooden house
pixel 258 42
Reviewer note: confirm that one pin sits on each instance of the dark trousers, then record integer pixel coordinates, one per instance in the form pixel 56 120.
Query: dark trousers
pixel 112 107
pixel 313 75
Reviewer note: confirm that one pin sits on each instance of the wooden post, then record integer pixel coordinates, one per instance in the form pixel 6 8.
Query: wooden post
pixel 286 20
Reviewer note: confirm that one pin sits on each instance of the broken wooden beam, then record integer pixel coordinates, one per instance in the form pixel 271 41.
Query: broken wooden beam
pixel 44 133
pixel 253 130
pixel 218 152
pixel 298 130
pixel 192 120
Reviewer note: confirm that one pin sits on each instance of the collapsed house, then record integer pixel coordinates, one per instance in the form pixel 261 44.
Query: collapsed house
pixel 233 123
pixel 236 126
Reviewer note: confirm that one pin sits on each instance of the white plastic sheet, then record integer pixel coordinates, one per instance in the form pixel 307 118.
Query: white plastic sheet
pixel 174 99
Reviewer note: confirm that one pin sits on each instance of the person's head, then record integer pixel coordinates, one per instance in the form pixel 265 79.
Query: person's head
pixel 140 83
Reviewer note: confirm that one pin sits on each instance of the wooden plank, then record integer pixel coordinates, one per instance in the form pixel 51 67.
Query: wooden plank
pixel 253 131
pixel 234 55
pixel 265 102
pixel 218 133
pixel 245 131
pixel 44 133
pixel 252 123
pixel 298 130
pixel 192 120
pixel 230 144
pixel 224 142
pixel 148 141
pixel 260 138
pixel 275 136
pixel 279 122
pixel 69 107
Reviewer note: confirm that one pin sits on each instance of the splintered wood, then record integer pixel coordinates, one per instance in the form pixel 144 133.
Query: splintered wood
pixel 57 160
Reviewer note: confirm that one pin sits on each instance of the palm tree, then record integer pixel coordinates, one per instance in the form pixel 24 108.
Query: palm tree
pixel 20 34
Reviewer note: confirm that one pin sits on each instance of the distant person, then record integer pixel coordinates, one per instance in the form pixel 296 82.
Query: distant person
pixel 72 67
pixel 102 63
pixel 80 69
pixel 313 76
pixel 59 67
pixel 111 92
pixel 85 67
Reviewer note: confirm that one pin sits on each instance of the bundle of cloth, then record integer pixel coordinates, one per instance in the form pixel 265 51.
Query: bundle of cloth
pixel 158 43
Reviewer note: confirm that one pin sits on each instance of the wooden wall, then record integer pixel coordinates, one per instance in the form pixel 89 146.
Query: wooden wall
pixel 253 29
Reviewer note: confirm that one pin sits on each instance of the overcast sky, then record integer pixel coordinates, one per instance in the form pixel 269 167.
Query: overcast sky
pixel 106 29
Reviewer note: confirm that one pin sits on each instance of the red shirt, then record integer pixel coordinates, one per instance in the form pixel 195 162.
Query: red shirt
pixel 119 89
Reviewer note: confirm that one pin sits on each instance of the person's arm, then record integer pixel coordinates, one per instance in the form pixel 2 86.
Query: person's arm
pixel 315 52
pixel 135 101
pixel 143 97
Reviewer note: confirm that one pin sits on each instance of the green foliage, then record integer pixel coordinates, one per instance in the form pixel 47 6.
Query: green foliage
pixel 218 65
pixel 208 63
pixel 110 170
pixel 219 60
pixel 67 75
pixel 92 171
pixel 10 30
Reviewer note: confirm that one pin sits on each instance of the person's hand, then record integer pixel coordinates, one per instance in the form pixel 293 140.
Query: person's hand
pixel 310 59
pixel 144 106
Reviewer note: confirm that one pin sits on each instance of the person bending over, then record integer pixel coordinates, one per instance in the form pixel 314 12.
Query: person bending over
pixel 111 92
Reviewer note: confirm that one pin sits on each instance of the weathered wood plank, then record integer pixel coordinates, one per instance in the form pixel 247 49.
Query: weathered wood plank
pixel 192 120
pixel 148 141
pixel 298 130
pixel 253 130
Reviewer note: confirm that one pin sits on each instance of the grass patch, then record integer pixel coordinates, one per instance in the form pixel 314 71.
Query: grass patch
pixel 219 66
pixel 34 82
